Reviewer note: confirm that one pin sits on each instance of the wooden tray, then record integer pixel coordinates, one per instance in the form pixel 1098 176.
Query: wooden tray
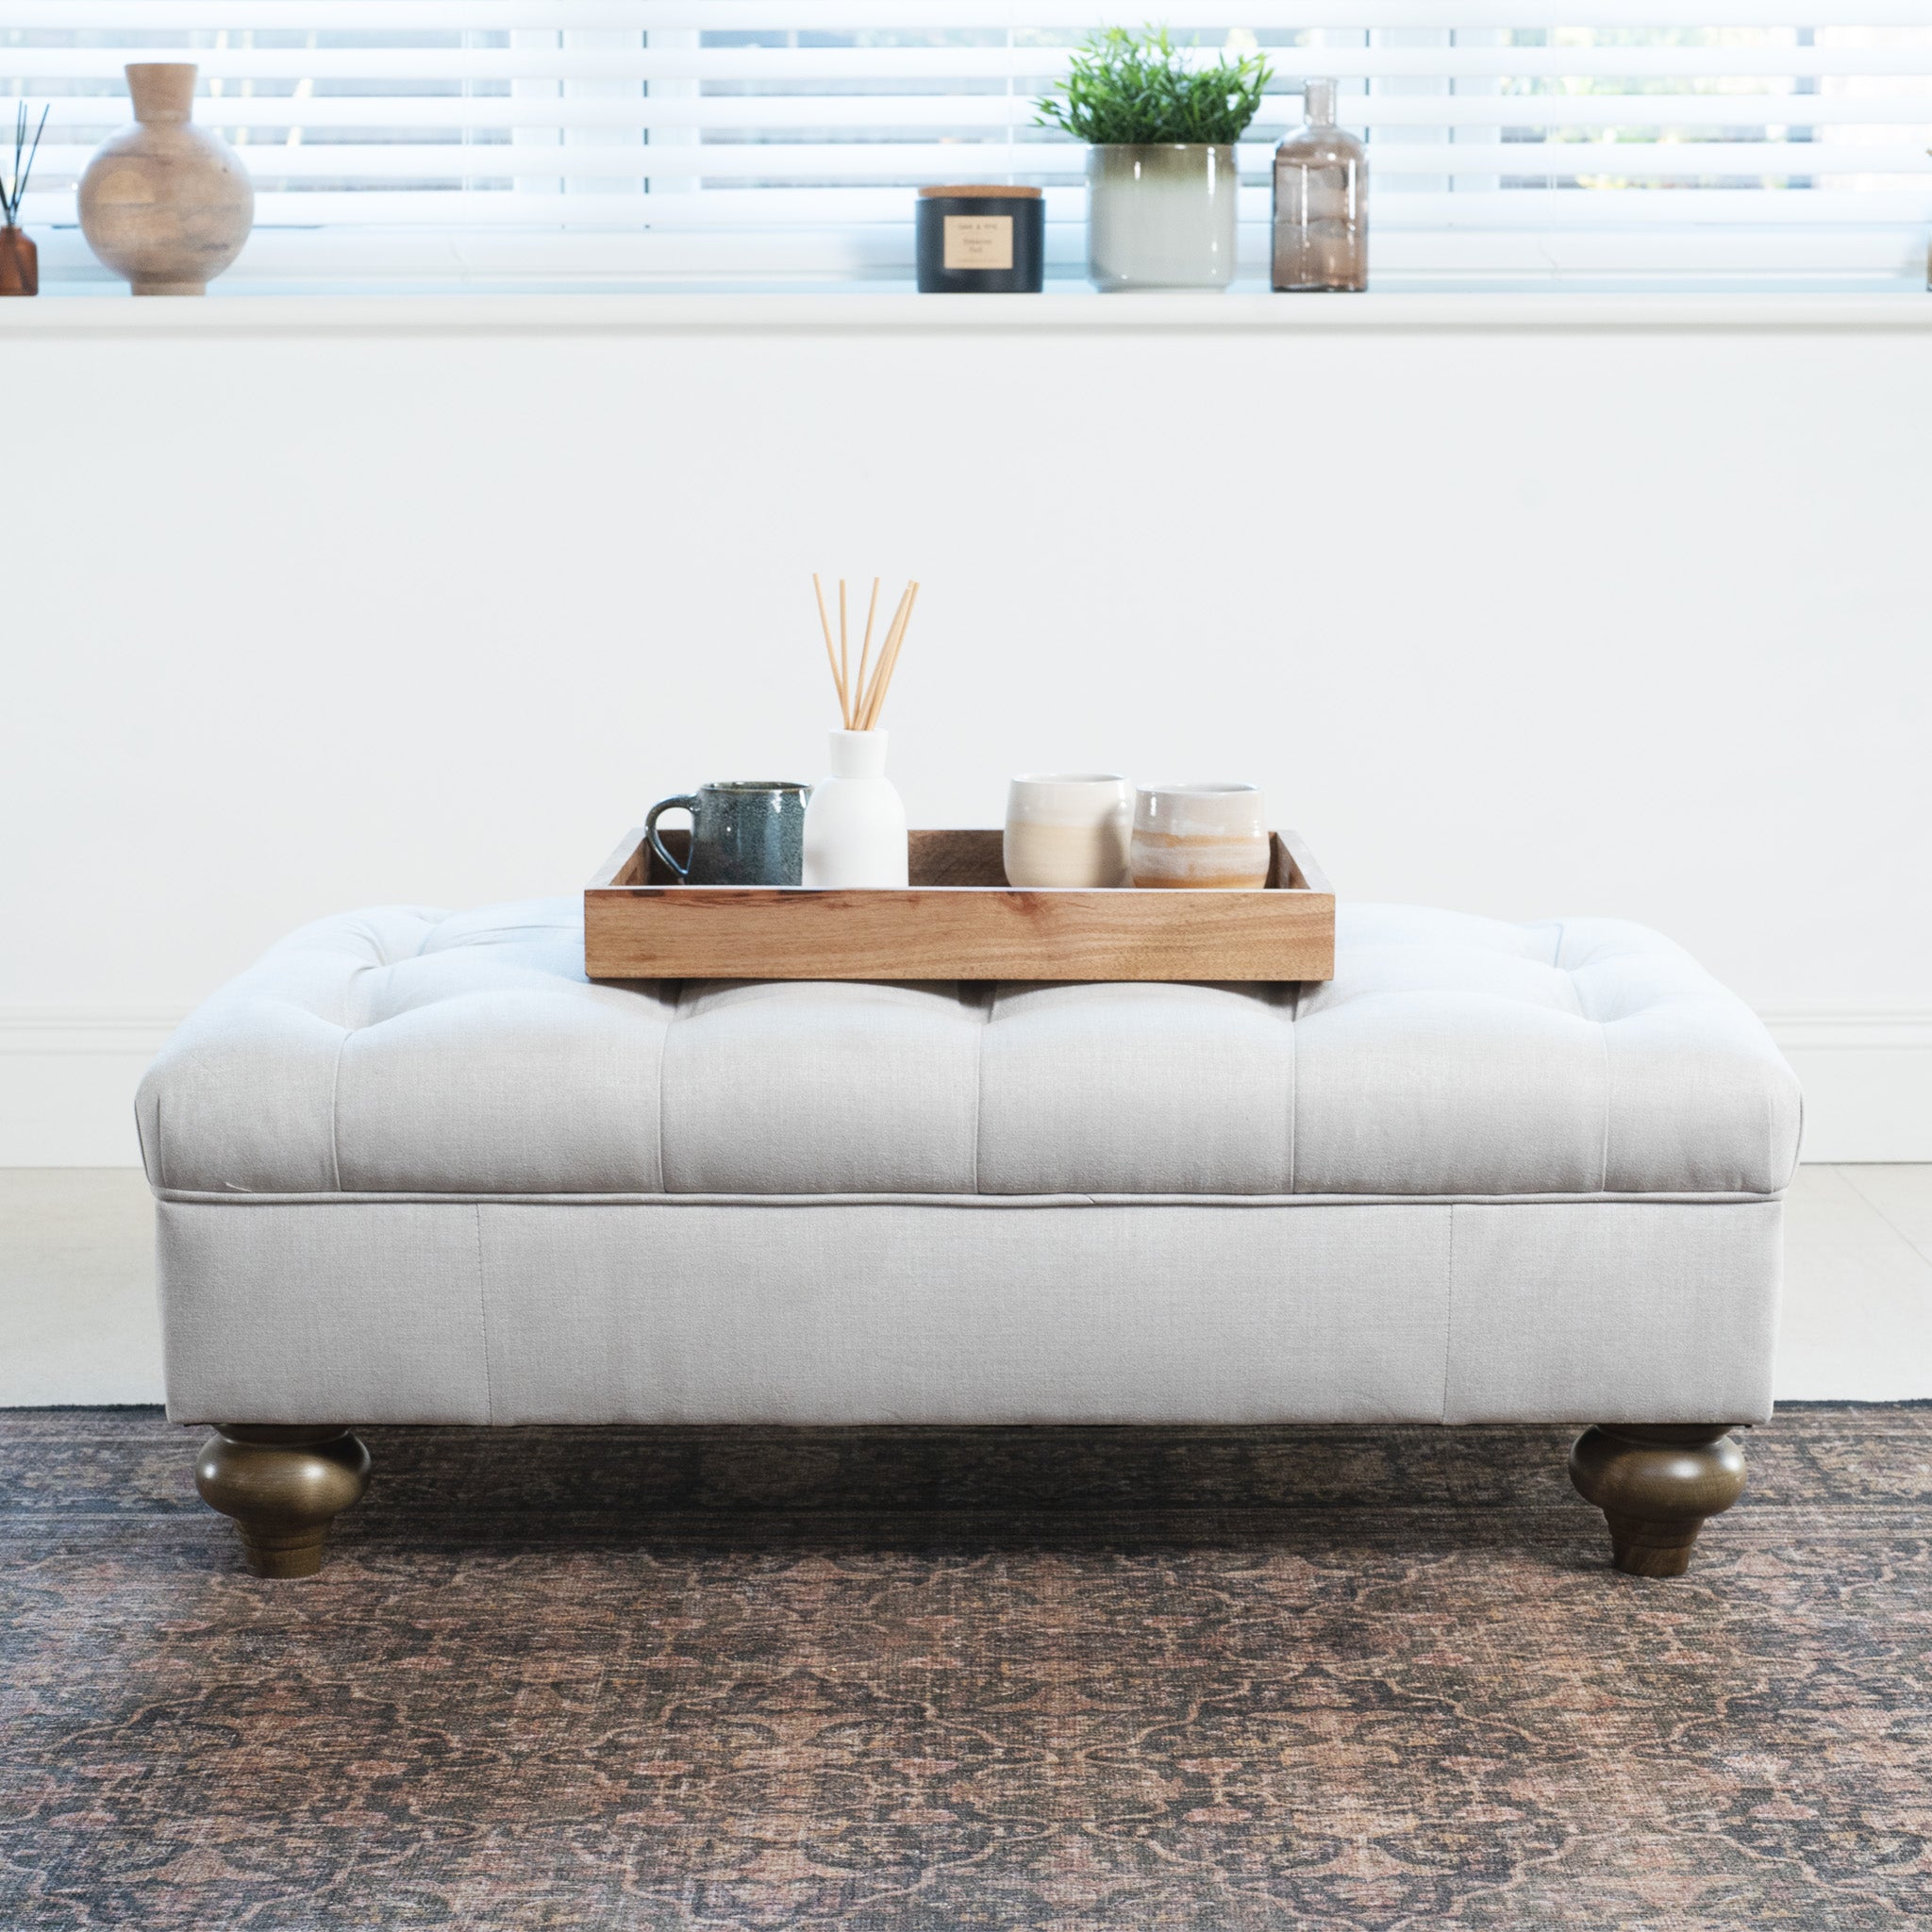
pixel 958 919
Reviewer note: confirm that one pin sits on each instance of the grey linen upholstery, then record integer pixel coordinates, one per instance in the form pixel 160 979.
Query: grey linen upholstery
pixel 413 1167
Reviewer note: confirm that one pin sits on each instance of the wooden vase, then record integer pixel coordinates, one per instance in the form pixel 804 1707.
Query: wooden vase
pixel 165 202
pixel 20 263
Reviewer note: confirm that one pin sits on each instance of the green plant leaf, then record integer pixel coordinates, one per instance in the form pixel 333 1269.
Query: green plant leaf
pixel 1140 90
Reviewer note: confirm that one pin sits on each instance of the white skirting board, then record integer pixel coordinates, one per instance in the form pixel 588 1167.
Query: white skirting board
pixel 68 1076
pixel 1867 1076
pixel 67 1081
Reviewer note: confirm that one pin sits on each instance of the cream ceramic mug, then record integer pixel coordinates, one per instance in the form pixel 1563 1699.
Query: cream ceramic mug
pixel 1206 836
pixel 1067 829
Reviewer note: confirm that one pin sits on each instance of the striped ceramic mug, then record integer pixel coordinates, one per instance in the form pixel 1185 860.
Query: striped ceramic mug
pixel 1209 835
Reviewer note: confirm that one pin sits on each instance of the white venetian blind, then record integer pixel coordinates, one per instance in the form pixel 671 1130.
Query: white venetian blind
pixel 783 136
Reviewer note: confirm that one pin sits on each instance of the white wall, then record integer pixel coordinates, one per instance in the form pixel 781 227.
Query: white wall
pixel 309 607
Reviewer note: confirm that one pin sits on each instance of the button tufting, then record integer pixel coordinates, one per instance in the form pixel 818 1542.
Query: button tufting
pixel 1451 1055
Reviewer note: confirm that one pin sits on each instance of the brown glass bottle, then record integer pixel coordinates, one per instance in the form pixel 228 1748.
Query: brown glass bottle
pixel 1320 202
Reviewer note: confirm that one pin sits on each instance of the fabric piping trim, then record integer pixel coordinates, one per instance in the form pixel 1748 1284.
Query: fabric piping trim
pixel 196 1196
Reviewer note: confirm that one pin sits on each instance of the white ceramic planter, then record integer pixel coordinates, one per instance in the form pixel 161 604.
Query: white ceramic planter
pixel 1161 217
pixel 854 825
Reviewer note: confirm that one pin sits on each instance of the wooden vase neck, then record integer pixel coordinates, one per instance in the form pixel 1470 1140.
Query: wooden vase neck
pixel 162 92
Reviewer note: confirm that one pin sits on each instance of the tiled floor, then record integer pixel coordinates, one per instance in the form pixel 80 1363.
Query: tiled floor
pixel 77 1320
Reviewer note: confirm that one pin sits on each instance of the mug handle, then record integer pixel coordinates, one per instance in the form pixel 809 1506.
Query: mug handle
pixel 686 802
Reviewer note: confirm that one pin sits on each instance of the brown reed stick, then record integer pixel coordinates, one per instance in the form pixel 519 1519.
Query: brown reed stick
pixel 860 700
pixel 886 648
pixel 844 663
pixel 865 652
pixel 889 660
pixel 831 657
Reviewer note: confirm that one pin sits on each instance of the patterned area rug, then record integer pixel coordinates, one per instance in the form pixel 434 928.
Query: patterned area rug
pixel 911 1681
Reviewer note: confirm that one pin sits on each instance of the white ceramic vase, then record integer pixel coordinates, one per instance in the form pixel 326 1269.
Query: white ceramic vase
pixel 855 825
pixel 1161 217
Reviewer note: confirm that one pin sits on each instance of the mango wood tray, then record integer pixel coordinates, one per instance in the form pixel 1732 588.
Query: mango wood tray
pixel 958 919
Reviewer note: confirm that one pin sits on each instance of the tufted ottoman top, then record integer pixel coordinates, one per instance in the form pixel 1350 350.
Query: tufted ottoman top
pixel 402 1051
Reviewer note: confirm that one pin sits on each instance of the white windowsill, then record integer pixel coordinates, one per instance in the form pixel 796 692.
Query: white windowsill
pixel 892 311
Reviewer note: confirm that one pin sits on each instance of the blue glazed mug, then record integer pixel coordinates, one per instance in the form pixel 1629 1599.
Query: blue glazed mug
pixel 744 832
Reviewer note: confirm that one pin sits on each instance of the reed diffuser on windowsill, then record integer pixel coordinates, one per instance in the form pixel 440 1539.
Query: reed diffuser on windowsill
pixel 855 825
pixel 20 260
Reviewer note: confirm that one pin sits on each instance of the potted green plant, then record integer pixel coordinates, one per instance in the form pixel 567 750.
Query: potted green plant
pixel 1160 168
pixel 20 260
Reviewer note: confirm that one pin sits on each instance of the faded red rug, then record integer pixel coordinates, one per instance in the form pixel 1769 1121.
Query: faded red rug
pixel 885 1680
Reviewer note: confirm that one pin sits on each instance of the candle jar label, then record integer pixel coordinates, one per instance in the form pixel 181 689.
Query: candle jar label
pixel 981 241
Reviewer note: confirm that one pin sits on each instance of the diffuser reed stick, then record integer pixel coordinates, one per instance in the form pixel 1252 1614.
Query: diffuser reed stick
pixel 844 663
pixel 831 655
pixel 859 702
pixel 889 659
pixel 865 650
pixel 13 190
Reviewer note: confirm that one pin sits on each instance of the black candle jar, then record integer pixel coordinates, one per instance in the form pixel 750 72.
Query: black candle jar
pixel 981 241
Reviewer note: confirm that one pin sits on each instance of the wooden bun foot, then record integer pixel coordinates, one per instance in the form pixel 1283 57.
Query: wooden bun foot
pixel 1656 1483
pixel 283 1485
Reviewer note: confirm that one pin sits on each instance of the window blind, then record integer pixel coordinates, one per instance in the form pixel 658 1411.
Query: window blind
pixel 780 138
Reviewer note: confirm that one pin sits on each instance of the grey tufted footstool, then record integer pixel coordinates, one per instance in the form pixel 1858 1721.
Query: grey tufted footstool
pixel 413 1168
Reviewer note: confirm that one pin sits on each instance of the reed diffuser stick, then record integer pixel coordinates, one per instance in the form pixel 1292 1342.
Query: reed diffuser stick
pixel 889 659
pixel 886 649
pixel 831 655
pixel 861 701
pixel 14 191
pixel 865 650
pixel 844 662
